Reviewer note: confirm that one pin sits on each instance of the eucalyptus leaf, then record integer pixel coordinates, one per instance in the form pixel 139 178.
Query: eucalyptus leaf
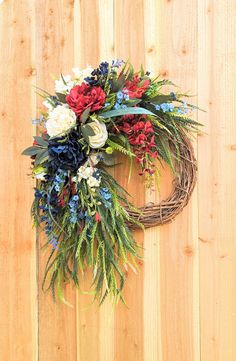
pixel 87 131
pixel 31 150
pixel 108 159
pixel 85 115
pixel 41 141
pixel 41 157
pixel 125 111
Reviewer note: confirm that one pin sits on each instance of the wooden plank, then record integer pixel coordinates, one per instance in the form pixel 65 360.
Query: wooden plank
pixel 129 44
pixel 217 173
pixel 178 241
pixel 151 288
pixel 18 303
pixel 95 326
pixel 55 54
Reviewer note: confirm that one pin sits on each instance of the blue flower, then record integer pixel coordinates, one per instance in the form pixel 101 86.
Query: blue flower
pixel 54 242
pixel 117 63
pixel 75 197
pixel 165 107
pixel 120 96
pixel 105 193
pixel 117 106
pixel 39 193
pixel 66 153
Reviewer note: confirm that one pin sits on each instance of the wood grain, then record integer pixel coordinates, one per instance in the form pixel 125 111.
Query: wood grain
pixel 178 241
pixel 55 51
pixel 129 44
pixel 181 304
pixel 95 326
pixel 18 301
pixel 217 172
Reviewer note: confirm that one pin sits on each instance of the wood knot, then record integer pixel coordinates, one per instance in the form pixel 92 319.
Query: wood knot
pixel 62 41
pixel 188 250
pixel 30 72
pixel 150 50
pixel 164 73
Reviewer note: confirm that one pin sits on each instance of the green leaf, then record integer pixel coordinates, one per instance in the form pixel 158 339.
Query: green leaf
pixel 85 115
pixel 31 151
pixel 41 157
pixel 108 159
pixel 119 83
pixel 61 97
pixel 87 131
pixel 120 148
pixel 41 141
pixel 125 111
pixel 161 98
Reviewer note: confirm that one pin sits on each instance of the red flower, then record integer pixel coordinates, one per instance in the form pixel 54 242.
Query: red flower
pixel 136 87
pixel 97 217
pixel 84 96
pixel 140 134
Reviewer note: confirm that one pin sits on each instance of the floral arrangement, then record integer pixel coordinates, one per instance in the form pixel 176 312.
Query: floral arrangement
pixel 84 212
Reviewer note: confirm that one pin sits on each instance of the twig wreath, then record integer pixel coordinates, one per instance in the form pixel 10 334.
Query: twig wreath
pixel 87 216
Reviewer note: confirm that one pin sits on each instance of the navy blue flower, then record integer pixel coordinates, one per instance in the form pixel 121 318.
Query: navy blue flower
pixel 99 75
pixel 65 153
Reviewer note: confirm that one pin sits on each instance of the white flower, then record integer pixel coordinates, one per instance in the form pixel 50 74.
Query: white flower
pixel 87 172
pixel 100 136
pixel 64 85
pixel 84 172
pixel 80 74
pixel 60 120
pixel 93 182
pixel 41 176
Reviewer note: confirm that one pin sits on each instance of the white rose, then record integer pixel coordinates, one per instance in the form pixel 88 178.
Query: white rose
pixel 100 136
pixel 60 120
pixel 64 85
pixel 80 74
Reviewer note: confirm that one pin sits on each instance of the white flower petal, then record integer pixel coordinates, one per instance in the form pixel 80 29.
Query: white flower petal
pixel 60 120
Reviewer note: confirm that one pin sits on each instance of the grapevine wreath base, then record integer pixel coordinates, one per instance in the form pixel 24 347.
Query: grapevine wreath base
pixel 86 215
pixel 157 214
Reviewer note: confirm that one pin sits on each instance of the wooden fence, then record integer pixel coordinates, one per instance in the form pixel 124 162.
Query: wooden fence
pixel 182 304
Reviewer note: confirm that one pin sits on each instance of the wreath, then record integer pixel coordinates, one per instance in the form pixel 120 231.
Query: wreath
pixel 87 216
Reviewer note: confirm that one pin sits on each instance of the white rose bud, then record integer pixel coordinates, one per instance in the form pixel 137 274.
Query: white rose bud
pixel 100 136
pixel 60 120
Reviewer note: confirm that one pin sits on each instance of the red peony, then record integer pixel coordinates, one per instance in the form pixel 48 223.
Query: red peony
pixel 84 96
pixel 136 87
